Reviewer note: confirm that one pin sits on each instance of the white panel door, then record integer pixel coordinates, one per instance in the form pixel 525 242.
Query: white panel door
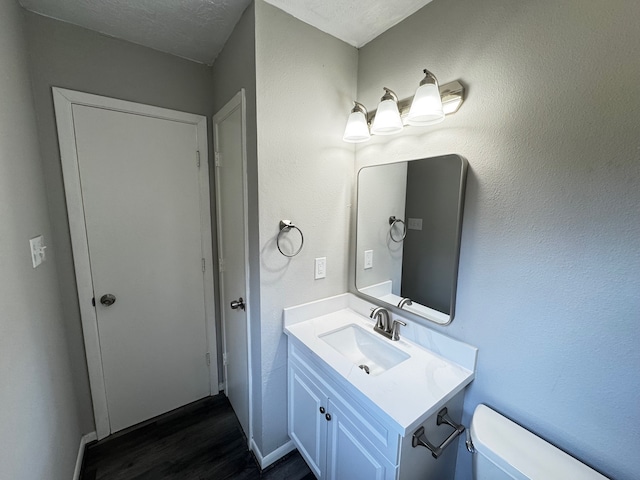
pixel 228 127
pixel 141 197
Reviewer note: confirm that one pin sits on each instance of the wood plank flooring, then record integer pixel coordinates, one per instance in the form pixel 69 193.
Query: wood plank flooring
pixel 202 441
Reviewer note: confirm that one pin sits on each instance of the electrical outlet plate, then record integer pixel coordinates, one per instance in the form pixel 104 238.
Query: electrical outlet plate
pixel 321 267
pixel 37 250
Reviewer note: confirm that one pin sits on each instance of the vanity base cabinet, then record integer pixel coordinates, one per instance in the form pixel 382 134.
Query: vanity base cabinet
pixel 329 435
pixel 340 440
pixel 417 463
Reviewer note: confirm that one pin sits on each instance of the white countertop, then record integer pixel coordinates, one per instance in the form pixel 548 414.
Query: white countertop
pixel 382 291
pixel 409 392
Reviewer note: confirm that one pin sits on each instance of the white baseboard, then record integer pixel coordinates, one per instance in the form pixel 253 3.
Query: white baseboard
pixel 89 437
pixel 274 456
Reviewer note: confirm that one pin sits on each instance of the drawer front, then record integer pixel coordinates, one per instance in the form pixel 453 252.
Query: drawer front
pixel 375 432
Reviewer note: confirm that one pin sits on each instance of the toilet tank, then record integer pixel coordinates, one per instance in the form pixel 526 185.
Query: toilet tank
pixel 504 450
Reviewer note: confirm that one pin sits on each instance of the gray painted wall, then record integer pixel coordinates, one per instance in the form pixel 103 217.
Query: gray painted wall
pixel 40 432
pixel 382 192
pixel 68 56
pixel 306 82
pixel 550 260
pixel 235 68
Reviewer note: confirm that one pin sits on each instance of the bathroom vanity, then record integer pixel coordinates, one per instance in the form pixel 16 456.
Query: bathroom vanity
pixel 356 398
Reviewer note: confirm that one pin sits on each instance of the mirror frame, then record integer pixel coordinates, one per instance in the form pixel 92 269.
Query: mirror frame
pixel 437 316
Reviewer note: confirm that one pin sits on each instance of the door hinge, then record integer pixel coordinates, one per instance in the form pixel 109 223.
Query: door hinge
pixel 208 358
pixel 224 359
pixel 217 158
pixel 220 265
pixel 198 157
pixel 204 267
pixel 93 301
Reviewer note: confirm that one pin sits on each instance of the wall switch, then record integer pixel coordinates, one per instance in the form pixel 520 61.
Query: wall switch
pixel 368 259
pixel 415 224
pixel 37 250
pixel 321 267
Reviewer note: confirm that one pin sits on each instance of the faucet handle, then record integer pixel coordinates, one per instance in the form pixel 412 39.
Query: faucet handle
pixel 395 329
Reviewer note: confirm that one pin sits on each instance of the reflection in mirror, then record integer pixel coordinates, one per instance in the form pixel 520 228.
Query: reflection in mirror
pixel 408 234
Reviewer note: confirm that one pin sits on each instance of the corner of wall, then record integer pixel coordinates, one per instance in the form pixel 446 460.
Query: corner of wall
pixel 38 406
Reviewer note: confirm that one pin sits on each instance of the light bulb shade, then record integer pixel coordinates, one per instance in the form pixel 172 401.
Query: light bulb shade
pixel 387 120
pixel 357 129
pixel 426 108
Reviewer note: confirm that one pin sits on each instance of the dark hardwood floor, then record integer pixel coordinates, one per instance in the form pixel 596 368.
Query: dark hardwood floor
pixel 201 441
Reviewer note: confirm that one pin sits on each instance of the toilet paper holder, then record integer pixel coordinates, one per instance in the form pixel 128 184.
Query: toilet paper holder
pixel 420 439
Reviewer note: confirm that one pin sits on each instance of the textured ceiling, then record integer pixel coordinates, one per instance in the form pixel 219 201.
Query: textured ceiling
pixel 193 29
pixel 356 22
pixel 198 29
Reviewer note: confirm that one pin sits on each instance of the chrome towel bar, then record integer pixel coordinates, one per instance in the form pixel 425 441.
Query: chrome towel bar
pixel 285 226
pixel 420 439
pixel 393 221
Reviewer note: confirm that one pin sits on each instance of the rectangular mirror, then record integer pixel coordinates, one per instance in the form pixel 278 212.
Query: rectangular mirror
pixel 409 221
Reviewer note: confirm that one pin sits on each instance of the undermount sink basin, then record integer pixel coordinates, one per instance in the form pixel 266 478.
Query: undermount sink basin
pixel 363 348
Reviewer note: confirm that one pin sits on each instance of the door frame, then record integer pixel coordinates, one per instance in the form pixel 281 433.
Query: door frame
pixel 238 101
pixel 63 101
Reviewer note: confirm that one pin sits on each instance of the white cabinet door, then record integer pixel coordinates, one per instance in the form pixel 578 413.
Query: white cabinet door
pixel 349 455
pixel 307 422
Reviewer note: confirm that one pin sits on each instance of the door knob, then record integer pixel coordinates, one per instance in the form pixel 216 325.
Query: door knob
pixel 108 299
pixel 238 304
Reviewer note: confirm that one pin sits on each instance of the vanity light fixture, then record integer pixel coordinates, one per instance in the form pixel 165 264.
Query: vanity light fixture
pixel 357 129
pixel 426 107
pixel 452 95
pixel 387 120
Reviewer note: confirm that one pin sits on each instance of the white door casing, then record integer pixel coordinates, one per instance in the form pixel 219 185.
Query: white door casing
pixel 229 132
pixel 157 299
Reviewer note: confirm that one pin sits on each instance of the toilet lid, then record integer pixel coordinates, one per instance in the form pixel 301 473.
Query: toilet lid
pixel 520 453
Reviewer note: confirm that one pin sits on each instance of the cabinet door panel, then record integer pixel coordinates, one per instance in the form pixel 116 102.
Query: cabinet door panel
pixel 380 435
pixel 350 456
pixel 307 426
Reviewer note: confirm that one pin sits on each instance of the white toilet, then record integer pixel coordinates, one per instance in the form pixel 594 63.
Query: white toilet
pixel 505 450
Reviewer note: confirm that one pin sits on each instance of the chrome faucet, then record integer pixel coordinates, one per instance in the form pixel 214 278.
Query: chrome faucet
pixel 405 301
pixel 382 318
pixel 384 325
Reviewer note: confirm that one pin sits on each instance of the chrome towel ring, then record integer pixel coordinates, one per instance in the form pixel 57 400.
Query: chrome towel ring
pixel 392 221
pixel 285 226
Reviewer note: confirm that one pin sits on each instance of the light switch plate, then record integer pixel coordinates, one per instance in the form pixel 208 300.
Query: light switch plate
pixel 321 267
pixel 37 250
pixel 368 259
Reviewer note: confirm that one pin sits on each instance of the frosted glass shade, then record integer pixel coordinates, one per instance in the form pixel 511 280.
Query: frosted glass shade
pixel 387 120
pixel 426 108
pixel 357 129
